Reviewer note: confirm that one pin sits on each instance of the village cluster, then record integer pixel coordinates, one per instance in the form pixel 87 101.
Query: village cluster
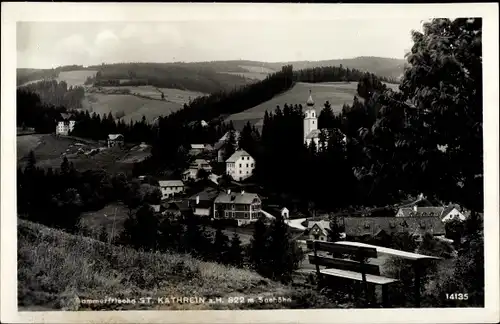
pixel 416 217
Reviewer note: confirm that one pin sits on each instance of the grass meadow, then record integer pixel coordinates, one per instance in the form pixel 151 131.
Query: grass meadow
pixel 337 93
pixel 56 270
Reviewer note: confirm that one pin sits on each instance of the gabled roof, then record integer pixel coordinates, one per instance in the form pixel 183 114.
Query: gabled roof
pixel 115 136
pixel 359 226
pixel 171 183
pixel 236 155
pixel 322 224
pixel 206 195
pixel 422 211
pixel 329 132
pixel 198 146
pixel 66 116
pixel 236 198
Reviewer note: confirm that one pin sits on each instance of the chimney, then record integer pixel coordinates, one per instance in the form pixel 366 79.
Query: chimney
pixel 228 191
pixel 415 208
pixel 197 199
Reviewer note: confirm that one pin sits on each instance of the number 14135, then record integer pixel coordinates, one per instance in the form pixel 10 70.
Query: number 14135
pixel 457 296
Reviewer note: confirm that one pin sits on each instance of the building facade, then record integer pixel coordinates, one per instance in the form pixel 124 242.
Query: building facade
pixel 243 207
pixel 169 188
pixel 311 130
pixel 115 140
pixel 65 125
pixel 240 165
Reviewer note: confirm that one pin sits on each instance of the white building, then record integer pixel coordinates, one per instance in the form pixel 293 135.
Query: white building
pixel 240 165
pixel 170 187
pixel 311 131
pixel 115 139
pixel 65 125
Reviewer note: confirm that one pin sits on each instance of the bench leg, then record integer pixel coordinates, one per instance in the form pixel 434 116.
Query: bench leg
pixel 385 296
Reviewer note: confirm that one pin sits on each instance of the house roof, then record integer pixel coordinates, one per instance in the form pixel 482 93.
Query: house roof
pixel 284 208
pixel 200 162
pixel 329 132
pixel 66 116
pixel 198 146
pixel 236 198
pixel 422 211
pixel 322 224
pixel 359 226
pixel 236 155
pixel 177 205
pixel 206 195
pixel 171 183
pixel 114 136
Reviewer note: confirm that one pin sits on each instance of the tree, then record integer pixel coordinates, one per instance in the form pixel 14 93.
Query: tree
pixel 65 166
pixel 230 145
pixel 258 249
pixel 31 165
pixel 235 253
pixel 141 229
pixel 284 255
pixel 335 230
pixel 221 246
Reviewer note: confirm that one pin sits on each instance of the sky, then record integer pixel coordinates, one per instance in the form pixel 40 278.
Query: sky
pixel 52 44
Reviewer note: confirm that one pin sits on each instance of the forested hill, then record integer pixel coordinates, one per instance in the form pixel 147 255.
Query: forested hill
pixel 209 77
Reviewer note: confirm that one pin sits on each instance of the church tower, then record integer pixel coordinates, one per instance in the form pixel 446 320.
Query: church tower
pixel 310 118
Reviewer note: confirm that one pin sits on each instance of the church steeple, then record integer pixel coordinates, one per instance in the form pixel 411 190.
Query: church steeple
pixel 310 101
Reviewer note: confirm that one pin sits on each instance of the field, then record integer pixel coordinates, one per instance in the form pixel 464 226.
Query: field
pixel 143 100
pixel 337 93
pixel 50 149
pixel 75 78
pixel 56 270
pixel 250 75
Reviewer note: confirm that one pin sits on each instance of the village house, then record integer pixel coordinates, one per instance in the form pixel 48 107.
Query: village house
pixel 176 208
pixel 197 149
pixel 243 207
pixel 356 227
pixel 422 207
pixel 115 140
pixel 240 165
pixel 65 124
pixel 202 202
pixel 195 167
pixel 276 210
pixel 318 230
pixel 221 145
pixel 311 131
pixel 169 188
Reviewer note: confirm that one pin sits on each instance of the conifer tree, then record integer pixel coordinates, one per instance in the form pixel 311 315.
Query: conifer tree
pixel 236 251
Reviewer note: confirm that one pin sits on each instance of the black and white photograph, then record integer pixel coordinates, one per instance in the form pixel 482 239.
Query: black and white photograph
pixel 248 157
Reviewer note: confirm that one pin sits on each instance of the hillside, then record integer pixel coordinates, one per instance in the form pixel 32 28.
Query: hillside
pixel 56 270
pixel 337 93
pixel 50 149
pixel 381 66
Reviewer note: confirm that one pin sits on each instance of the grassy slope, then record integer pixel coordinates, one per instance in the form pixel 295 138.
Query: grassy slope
pixel 56 269
pixel 48 151
pixel 337 93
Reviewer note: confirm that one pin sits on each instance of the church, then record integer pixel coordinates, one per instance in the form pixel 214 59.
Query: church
pixel 311 131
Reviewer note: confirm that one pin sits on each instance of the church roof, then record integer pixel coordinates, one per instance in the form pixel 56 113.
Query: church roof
pixel 313 134
pixel 310 101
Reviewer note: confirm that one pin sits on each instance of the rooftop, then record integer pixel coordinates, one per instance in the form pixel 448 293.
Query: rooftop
pixel 236 198
pixel 171 183
pixel 236 155
pixel 422 211
pixel 359 226
pixel 310 101
pixel 114 136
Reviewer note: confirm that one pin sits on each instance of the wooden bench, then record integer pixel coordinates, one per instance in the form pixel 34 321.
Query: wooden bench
pixel 356 269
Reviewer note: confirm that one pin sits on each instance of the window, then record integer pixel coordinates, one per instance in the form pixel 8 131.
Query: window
pixel 247 172
pixel 424 214
pixel 431 214
pixel 240 165
pixel 247 165
pixel 240 171
pixel 367 225
pixel 313 122
pixel 251 165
